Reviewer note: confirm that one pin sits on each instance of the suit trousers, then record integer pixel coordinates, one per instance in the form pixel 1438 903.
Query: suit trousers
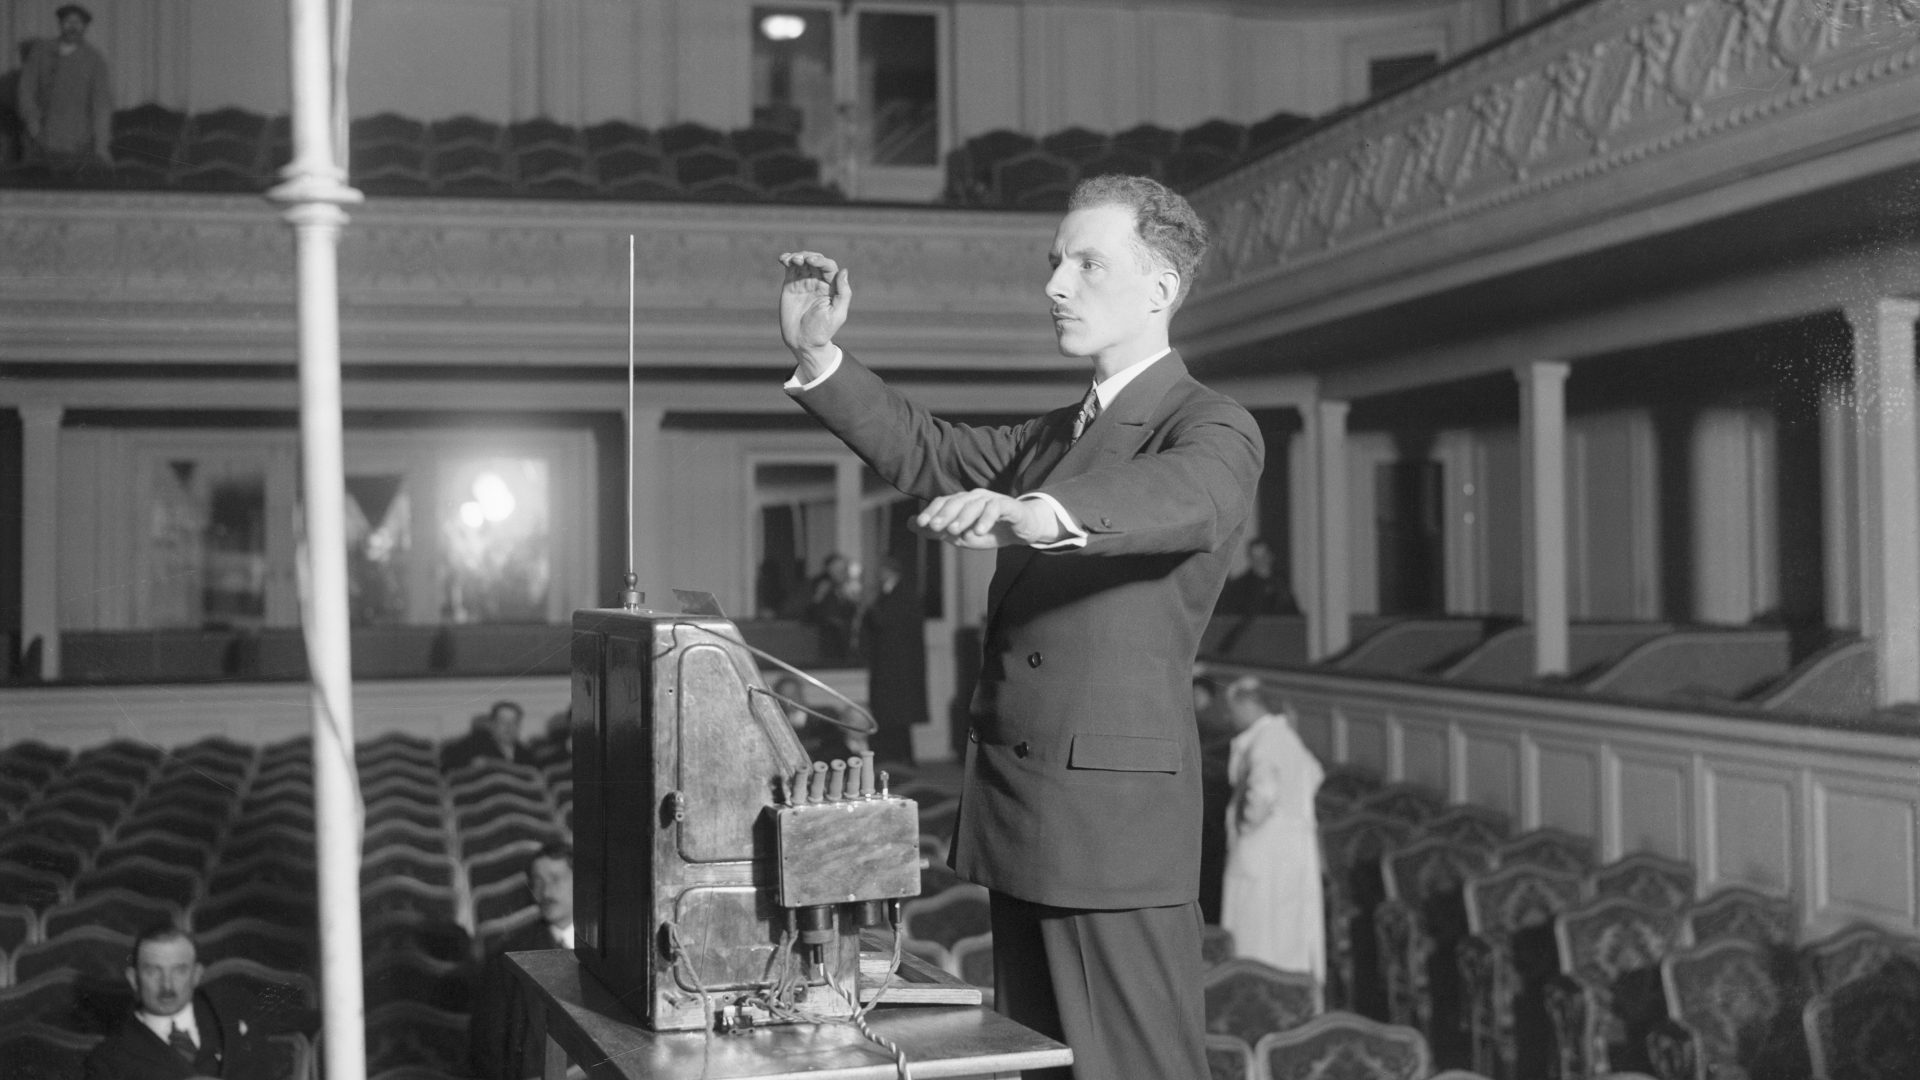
pixel 1121 988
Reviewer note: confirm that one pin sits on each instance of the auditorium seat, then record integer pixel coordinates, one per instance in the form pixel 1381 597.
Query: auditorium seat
pixel 391 894
pixel 1549 848
pixel 477 816
pixel 1410 803
pixel 1869 1028
pixel 31 1050
pixel 19 924
pixel 1465 823
pixel 279 947
pixel 707 162
pixel 1216 945
pixel 148 133
pixel 405 1033
pixel 273 836
pixel 141 874
pixel 1248 999
pixel 778 167
pixel 609 134
pixel 1342 789
pixel 96 798
pixel 509 829
pixel 552 168
pixel 1342 1044
pixel 488 934
pixel 1225 136
pixel 1420 925
pixel 82 835
pixel 91 951
pixel 1188 167
pixel 32 761
pixel 276 904
pixel 427 868
pixel 1148 140
pixel 28 850
pixel 446 134
pixel 159 845
pixel 1509 954
pixel 542 131
pixel 408 780
pixel 937 877
pixel 425 815
pixel 29 886
pixel 1852 952
pixel 120 909
pixel 386 129
pixel 960 911
pixel 402 931
pixel 217 751
pixel 503 900
pixel 500 864
pixel 622 162
pixel 1229 1059
pixel 51 997
pixel 1270 133
pixel 1035 180
pixel 1350 850
pixel 643 188
pixel 677 139
pixel 1077 144
pixel 1647 878
pixel 484 779
pixel 185 806
pixel 1607 996
pixel 1730 1013
pixel 970 168
pixel 398 832
pixel 750 142
pixel 15 794
pixel 1736 911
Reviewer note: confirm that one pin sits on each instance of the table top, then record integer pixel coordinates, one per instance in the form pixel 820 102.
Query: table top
pixel 940 1041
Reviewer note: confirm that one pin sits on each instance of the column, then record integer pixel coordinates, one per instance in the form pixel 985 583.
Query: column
pixel 39 533
pixel 1330 602
pixel 646 487
pixel 1839 542
pixel 1543 510
pixel 846 515
pixel 1887 498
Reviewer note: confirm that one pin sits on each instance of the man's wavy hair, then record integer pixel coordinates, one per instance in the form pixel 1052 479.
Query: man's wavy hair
pixel 1169 232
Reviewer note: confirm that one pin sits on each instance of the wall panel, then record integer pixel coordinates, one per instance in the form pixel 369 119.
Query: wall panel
pixel 1755 832
pixel 1367 741
pixel 1867 834
pixel 1569 786
pixel 1423 754
pixel 1493 773
pixel 1656 804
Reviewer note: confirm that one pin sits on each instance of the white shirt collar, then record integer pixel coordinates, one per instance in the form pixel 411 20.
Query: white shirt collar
pixel 1118 381
pixel 564 937
pixel 163 1025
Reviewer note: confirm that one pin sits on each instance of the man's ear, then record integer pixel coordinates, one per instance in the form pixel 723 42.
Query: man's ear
pixel 1166 289
pixel 133 980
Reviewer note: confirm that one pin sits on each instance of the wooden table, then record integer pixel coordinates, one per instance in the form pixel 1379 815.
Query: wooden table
pixel 587 1026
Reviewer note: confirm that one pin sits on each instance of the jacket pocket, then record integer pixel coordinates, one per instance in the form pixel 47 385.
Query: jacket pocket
pixel 1124 753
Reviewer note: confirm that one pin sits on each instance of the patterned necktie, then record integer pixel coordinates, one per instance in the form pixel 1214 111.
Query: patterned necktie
pixel 1089 408
pixel 182 1043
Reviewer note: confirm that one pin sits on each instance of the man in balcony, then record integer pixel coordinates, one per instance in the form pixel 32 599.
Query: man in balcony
pixel 1115 519
pixel 66 95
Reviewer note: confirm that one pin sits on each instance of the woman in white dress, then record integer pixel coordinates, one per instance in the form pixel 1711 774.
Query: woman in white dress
pixel 1271 900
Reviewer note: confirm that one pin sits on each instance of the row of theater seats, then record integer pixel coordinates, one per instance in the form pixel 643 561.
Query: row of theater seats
pixel 1014 170
pixel 219 838
pixel 234 150
pixel 1518 957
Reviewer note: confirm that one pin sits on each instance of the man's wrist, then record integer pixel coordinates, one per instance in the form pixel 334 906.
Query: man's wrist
pixel 812 362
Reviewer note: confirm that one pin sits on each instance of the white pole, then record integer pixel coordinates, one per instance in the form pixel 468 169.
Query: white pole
pixel 314 190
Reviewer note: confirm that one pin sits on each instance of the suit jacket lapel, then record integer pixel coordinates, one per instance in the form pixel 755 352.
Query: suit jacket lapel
pixel 1118 433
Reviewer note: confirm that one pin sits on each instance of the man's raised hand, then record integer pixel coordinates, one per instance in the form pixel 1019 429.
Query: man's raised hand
pixel 983 520
pixel 813 305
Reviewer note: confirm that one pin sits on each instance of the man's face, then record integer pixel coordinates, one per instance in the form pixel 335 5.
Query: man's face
pixel 72 29
pixel 505 724
pixel 1106 296
pixel 552 883
pixel 164 976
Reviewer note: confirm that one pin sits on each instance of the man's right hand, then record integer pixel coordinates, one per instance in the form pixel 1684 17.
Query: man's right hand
pixel 813 307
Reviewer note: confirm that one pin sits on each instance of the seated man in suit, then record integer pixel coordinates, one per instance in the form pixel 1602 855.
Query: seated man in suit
pixel 1114 520
pixel 1259 591
pixel 495 736
pixel 501 1043
pixel 179 1029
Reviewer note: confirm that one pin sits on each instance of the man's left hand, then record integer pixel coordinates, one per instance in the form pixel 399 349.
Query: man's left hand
pixel 982 520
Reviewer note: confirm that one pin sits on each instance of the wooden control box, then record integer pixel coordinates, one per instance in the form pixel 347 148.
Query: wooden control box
pixel 680 766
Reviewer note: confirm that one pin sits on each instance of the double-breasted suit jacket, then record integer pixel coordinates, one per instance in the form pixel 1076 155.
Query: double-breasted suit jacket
pixel 1083 774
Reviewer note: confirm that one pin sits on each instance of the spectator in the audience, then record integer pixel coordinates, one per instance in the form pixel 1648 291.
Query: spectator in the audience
pixel 1258 591
pixel 1271 899
pixel 179 1029
pixel 495 736
pixel 832 603
pixel 13 131
pixel 555 744
pixel 66 95
pixel 892 640
pixel 501 1043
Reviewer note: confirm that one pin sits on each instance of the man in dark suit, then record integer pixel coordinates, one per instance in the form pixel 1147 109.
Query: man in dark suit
pixel 1259 591
pixel 494 736
pixel 501 1045
pixel 892 637
pixel 179 1029
pixel 1114 519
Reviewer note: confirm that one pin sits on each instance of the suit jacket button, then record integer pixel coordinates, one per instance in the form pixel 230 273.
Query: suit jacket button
pixel 1033 659
pixel 1020 748
pixel 1106 523
pixel 973 734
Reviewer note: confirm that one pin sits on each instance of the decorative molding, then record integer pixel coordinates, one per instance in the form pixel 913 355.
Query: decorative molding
pixel 519 282
pixel 1616 86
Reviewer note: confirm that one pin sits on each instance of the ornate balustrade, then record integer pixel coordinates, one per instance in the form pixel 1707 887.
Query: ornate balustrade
pixel 1825 813
pixel 1619 120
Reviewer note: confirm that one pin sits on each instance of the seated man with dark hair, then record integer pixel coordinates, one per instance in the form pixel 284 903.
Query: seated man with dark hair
pixel 178 1028
pixel 495 736
pixel 501 1042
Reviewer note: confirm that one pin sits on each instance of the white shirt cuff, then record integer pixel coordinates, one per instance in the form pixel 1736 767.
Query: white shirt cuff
pixel 795 386
pixel 1075 537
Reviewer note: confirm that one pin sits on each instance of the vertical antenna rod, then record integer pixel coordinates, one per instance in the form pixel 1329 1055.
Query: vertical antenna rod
pixel 631 598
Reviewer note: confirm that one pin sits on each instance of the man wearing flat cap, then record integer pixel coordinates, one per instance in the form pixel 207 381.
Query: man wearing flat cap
pixel 66 96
